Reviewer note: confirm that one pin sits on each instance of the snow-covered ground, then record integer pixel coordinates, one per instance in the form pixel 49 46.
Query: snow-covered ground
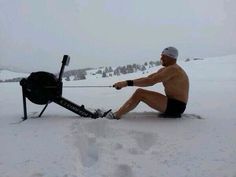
pixel 6 74
pixel 61 144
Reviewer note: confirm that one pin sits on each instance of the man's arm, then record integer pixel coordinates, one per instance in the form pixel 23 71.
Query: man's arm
pixel 160 76
pixel 146 81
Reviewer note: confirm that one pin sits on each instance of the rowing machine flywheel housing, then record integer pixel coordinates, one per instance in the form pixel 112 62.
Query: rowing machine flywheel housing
pixel 42 87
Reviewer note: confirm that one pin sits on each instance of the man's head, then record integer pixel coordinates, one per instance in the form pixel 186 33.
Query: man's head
pixel 169 56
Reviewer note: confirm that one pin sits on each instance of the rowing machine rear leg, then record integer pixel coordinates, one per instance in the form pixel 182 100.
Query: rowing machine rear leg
pixel 43 110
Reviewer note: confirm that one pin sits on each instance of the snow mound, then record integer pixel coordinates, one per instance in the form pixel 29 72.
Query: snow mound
pixel 6 74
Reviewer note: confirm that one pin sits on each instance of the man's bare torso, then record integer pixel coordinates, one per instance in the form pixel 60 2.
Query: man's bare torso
pixel 177 86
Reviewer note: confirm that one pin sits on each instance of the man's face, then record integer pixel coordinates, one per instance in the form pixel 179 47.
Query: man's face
pixel 163 60
pixel 166 61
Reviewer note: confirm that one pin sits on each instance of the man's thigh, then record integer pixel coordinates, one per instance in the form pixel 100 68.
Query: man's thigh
pixel 155 100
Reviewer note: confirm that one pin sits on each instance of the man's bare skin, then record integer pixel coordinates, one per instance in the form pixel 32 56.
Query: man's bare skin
pixel 175 82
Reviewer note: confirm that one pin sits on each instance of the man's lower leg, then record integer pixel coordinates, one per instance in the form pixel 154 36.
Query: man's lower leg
pixel 128 106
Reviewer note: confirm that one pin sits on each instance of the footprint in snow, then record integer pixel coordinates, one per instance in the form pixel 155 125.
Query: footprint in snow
pixel 37 175
pixel 123 170
pixel 98 128
pixel 86 145
pixel 88 150
pixel 144 140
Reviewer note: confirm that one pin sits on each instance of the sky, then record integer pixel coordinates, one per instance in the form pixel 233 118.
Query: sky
pixel 35 35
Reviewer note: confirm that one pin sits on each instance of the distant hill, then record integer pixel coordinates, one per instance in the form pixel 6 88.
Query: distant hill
pixel 11 76
pixel 100 72
pixel 108 71
pixel 81 74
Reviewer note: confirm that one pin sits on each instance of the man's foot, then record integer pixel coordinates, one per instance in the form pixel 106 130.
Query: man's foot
pixel 101 113
pixel 111 115
pixel 98 113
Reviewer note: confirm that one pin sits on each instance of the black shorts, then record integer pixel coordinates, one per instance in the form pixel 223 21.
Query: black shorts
pixel 175 108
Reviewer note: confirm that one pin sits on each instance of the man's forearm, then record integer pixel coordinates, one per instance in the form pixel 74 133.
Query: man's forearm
pixel 143 82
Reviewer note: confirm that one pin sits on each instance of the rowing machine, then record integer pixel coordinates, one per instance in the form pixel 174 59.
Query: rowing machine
pixel 43 88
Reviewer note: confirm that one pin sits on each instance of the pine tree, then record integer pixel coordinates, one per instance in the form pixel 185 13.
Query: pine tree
pixel 104 74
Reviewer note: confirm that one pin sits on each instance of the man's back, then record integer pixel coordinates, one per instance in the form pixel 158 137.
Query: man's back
pixel 177 87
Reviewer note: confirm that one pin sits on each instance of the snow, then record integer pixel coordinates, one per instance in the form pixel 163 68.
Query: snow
pixel 61 144
pixel 6 74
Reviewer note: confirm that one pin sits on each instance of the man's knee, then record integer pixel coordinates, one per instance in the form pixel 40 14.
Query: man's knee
pixel 138 94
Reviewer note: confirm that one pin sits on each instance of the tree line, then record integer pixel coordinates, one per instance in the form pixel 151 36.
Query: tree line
pixel 80 74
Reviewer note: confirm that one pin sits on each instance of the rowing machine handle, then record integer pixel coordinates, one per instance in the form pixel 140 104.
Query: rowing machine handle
pixel 65 62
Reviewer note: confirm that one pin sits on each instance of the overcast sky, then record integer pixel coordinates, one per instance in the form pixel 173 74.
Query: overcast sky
pixel 34 35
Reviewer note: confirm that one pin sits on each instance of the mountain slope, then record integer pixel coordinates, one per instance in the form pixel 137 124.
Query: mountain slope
pixel 7 74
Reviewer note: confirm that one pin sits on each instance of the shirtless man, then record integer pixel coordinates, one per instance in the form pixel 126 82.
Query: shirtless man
pixel 175 82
